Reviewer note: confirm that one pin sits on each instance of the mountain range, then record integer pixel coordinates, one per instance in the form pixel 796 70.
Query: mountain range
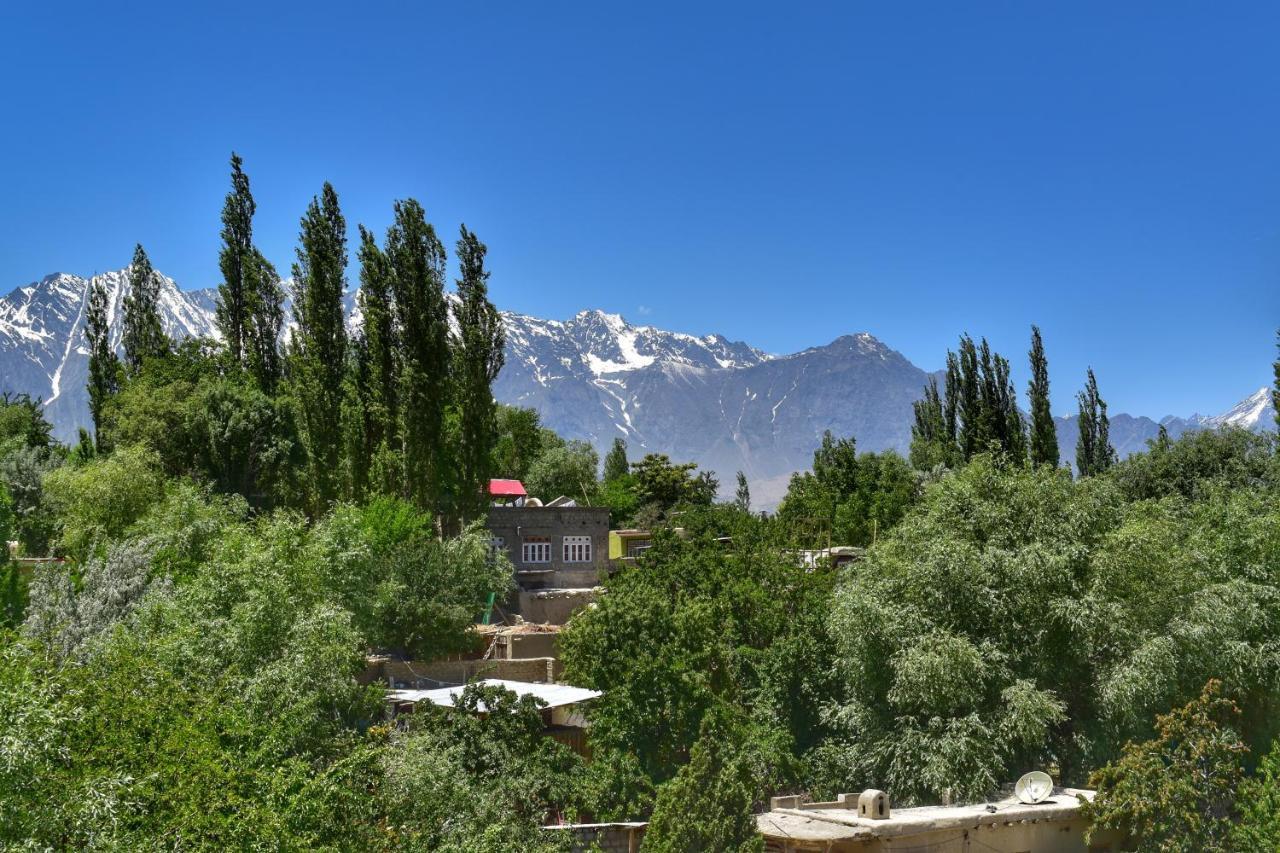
pixel 723 404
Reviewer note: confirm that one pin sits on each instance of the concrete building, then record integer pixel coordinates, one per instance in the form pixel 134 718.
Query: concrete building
pixel 558 546
pixel 1004 826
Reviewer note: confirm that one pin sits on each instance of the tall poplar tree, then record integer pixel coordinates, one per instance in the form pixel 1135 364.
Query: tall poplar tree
pixel 615 461
pixel 104 366
pixel 478 360
pixel 743 496
pixel 1275 388
pixel 951 402
pixel 417 259
pixel 930 443
pixel 266 319
pixel 379 371
pixel 972 435
pixel 250 297
pixel 235 293
pixel 1044 434
pixel 320 341
pixel 143 335
pixel 1094 453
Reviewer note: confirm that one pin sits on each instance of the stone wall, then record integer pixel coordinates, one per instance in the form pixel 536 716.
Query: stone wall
pixel 426 675
pixel 606 837
pixel 554 606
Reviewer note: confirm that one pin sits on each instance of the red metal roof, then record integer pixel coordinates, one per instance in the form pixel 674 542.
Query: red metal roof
pixel 507 488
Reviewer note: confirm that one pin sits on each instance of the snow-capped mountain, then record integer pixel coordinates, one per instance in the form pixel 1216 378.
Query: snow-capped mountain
pixel 723 404
pixel 1256 412
pixel 43 351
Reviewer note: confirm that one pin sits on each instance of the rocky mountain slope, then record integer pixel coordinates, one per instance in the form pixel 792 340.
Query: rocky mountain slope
pixel 721 403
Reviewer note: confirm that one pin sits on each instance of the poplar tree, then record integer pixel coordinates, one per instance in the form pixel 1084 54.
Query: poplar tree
pixel 1094 453
pixel 143 335
pixel 930 443
pixel 743 496
pixel 971 435
pixel 104 366
pixel 235 293
pixel 417 259
pixel 478 360
pixel 320 341
pixel 951 402
pixel 1275 387
pixel 250 298
pixel 379 372
pixel 615 461
pixel 266 319
pixel 1044 434
pixel 1011 430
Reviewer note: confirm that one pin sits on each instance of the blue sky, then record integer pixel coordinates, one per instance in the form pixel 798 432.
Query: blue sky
pixel 781 174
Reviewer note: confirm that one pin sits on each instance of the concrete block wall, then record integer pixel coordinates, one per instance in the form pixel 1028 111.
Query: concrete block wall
pixel 426 675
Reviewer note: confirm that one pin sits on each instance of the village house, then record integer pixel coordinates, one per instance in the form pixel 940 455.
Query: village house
pixel 560 551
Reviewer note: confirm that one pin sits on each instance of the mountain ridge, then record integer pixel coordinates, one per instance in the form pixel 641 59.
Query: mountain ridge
pixel 722 403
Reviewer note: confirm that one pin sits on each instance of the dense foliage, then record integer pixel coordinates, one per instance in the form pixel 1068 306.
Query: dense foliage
pixel 184 665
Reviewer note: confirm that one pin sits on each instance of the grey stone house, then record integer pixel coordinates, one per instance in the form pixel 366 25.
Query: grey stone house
pixel 553 547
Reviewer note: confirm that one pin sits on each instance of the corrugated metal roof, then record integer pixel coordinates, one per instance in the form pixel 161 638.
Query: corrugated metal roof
pixel 507 488
pixel 554 695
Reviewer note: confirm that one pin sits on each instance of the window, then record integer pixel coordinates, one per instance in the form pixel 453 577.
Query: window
pixel 497 545
pixel 577 549
pixel 536 549
pixel 636 547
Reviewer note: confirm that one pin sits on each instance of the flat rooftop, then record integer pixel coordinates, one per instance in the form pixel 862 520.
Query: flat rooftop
pixel 840 821
pixel 554 695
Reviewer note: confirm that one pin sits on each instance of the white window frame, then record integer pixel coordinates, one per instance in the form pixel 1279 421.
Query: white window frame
pixel 535 549
pixel 576 549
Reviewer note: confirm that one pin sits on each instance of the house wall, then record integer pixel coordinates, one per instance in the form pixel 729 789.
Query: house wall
pixel 554 606
pixel 513 524
pixel 425 675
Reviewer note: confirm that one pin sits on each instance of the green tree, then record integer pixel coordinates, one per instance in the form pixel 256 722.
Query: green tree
pixel 13 597
pixel 1275 387
pixel 742 498
pixel 250 297
pixel 320 341
pixel 478 360
pixel 847 499
pixel 521 440
pixel 1258 804
pixel 709 804
pixel 662 485
pixel 567 470
pixel 1094 453
pixel 143 336
pixel 97 502
pixel 267 320
pixel 615 461
pixel 236 293
pixel 104 366
pixel 380 369
pixel 1044 434
pixel 1176 792
pixel 417 259
pixel 932 444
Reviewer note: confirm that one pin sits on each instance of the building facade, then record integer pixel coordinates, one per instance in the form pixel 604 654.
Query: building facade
pixel 553 547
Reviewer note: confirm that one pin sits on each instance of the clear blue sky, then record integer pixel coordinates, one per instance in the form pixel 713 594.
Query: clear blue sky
pixel 781 174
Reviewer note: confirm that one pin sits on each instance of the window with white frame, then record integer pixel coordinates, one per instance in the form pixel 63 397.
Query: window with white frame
pixel 536 549
pixel 577 549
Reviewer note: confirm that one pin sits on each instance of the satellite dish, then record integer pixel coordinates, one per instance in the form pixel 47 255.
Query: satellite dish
pixel 1033 787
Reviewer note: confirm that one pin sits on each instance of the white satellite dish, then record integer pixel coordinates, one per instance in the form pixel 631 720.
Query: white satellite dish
pixel 1033 787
